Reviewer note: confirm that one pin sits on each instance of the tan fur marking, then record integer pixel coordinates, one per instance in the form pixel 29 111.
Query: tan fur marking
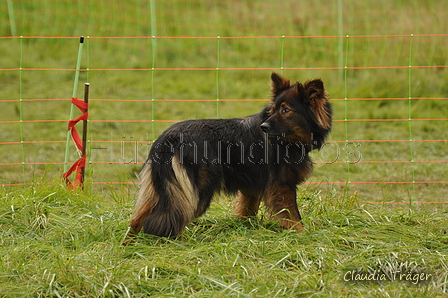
pixel 271 110
pixel 183 192
pixel 146 199
pixel 246 206
pixel 299 136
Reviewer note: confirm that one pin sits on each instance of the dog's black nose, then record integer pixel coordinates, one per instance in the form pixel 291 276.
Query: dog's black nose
pixel 265 127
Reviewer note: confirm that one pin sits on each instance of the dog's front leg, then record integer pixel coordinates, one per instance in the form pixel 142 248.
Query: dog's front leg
pixel 246 205
pixel 281 200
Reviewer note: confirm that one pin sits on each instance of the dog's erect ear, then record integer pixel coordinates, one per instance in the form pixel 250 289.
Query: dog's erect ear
pixel 315 89
pixel 318 101
pixel 278 84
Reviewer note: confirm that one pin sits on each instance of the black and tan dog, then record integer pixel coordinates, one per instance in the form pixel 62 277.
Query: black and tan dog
pixel 259 158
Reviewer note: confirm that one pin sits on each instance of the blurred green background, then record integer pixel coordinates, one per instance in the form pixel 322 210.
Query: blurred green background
pixel 151 63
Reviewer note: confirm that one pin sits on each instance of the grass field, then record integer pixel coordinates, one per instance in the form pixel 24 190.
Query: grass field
pixel 57 243
pixel 384 64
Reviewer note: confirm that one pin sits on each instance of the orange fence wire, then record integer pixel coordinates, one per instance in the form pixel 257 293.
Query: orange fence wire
pixel 341 120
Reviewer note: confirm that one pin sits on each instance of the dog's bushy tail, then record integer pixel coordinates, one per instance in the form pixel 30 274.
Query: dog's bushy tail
pixel 167 199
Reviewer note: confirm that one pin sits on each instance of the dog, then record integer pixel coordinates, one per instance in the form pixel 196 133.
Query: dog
pixel 262 157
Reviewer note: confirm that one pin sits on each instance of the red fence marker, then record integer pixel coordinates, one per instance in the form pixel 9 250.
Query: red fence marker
pixel 81 145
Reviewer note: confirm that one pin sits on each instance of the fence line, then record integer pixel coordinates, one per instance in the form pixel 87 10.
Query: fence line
pixel 175 121
pixel 230 37
pixel 345 102
pixel 212 100
pixel 227 68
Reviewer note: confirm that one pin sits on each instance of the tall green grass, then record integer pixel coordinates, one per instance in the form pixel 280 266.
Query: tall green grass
pixel 57 243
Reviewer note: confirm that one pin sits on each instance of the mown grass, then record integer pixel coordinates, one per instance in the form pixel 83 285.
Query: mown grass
pixel 57 243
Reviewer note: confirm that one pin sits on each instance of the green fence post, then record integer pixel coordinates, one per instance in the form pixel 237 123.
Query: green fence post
pixel 75 88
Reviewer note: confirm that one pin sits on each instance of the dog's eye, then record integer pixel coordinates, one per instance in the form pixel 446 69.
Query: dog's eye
pixel 285 110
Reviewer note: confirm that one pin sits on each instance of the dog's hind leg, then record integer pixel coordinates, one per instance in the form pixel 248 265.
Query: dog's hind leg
pixel 246 205
pixel 208 181
pixel 281 200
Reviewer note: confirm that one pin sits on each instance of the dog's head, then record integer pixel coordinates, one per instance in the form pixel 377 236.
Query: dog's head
pixel 298 113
